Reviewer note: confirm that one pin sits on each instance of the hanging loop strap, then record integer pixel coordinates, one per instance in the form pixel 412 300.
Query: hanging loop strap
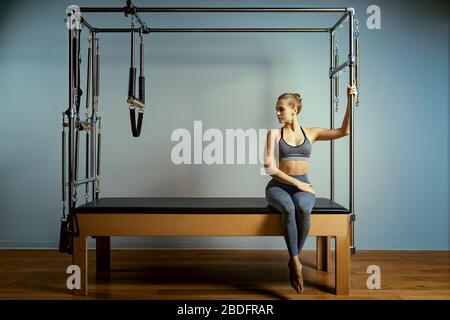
pixel 68 229
pixel 139 101
pixel 136 129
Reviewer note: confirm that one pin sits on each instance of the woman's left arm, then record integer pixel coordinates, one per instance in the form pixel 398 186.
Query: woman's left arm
pixel 331 134
pixel 351 91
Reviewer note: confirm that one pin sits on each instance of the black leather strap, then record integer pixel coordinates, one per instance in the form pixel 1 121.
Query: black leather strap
pixel 68 230
pixel 136 129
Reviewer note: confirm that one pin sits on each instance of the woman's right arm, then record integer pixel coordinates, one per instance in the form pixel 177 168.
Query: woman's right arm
pixel 270 164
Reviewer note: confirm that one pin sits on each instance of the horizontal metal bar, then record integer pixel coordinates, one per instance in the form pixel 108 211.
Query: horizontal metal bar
pixel 338 68
pixel 97 9
pixel 211 10
pixel 339 21
pixel 154 30
pixel 80 182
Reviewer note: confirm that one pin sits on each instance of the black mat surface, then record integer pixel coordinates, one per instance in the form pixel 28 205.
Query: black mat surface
pixel 195 205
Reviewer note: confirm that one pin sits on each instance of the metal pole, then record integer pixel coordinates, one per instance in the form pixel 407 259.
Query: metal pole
pixel 77 155
pixel 87 162
pixel 336 80
pixel 357 68
pixel 132 78
pixel 141 71
pixel 160 30
pixel 93 114
pixel 352 137
pixel 93 155
pixel 141 58
pixel 92 58
pixel 83 181
pixel 339 68
pixel 88 95
pixel 76 85
pixel 63 164
pixel 74 69
pixel 132 49
pixel 97 77
pixel 331 117
pixel 215 10
pixel 99 145
pixel 105 9
pixel 70 116
pixel 97 68
pixel 351 114
pixel 70 74
pixel 88 75
pixel 76 60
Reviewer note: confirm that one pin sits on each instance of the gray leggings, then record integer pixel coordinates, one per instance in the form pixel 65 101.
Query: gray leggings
pixel 295 207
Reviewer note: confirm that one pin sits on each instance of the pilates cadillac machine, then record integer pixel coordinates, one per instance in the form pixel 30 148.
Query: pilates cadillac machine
pixel 102 218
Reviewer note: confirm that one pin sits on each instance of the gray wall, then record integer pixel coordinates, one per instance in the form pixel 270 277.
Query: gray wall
pixel 231 81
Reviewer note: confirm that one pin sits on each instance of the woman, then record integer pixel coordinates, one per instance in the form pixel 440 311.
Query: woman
pixel 290 190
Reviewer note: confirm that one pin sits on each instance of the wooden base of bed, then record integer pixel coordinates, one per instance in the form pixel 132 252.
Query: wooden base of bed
pixel 104 225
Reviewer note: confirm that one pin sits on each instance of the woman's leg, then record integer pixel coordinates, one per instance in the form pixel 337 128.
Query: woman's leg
pixel 282 201
pixel 304 203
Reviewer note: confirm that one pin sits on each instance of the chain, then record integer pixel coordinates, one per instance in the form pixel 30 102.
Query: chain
pixel 99 128
pixel 74 196
pixel 64 211
pixel 356 32
pixel 336 98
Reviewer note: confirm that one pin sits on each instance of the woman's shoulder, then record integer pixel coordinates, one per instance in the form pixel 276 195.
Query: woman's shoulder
pixel 276 132
pixel 274 135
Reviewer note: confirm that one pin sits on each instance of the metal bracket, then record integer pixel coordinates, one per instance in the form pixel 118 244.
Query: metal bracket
pixel 330 73
pixel 129 9
pixel 351 60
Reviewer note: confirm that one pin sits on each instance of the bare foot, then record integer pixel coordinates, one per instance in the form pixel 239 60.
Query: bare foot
pixel 292 277
pixel 300 278
pixel 295 274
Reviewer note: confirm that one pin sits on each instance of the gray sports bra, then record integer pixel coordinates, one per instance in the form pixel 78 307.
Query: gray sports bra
pixel 301 152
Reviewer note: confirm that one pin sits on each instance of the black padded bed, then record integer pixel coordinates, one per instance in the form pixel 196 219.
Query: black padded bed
pixel 196 205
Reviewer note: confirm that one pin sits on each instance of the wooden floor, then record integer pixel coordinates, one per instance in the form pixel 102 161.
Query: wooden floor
pixel 222 274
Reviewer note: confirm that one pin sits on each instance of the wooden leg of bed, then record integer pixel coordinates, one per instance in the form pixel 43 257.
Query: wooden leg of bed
pixel 80 259
pixel 342 275
pixel 323 253
pixel 103 255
